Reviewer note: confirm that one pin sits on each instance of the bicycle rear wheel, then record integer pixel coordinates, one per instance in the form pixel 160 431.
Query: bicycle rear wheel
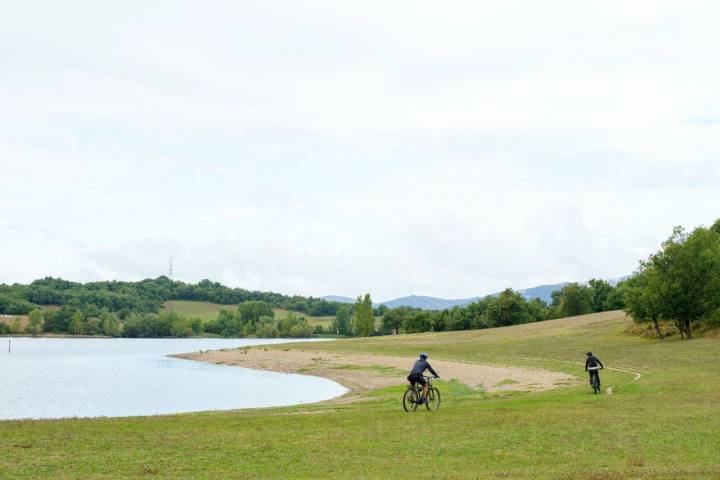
pixel 433 402
pixel 410 400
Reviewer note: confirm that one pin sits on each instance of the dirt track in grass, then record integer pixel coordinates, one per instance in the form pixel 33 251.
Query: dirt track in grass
pixel 361 373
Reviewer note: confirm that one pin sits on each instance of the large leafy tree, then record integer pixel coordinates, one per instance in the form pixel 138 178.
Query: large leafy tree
pixel 509 308
pixel 394 319
pixel 641 297
pixel 688 277
pixel 600 292
pixel 575 299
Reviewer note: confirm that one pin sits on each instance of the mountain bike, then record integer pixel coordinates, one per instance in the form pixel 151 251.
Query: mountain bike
pixel 413 396
pixel 596 382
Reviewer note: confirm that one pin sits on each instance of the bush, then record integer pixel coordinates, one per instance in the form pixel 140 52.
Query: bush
pixel 301 330
pixel 267 330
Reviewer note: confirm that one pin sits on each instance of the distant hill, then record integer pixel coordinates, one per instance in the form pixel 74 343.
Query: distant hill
pixel 543 292
pixel 338 299
pixel 428 303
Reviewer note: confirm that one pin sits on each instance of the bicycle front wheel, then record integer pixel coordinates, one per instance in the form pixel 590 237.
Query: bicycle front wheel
pixel 433 402
pixel 410 400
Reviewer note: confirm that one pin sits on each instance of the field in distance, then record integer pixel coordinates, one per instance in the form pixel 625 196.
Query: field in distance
pixel 660 422
pixel 209 311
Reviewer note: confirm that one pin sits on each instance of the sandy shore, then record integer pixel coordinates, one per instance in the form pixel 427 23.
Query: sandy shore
pixel 360 373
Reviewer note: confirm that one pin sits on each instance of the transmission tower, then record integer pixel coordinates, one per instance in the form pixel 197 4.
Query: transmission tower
pixel 170 269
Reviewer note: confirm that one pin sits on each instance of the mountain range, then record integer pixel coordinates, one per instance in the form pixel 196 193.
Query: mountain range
pixel 543 292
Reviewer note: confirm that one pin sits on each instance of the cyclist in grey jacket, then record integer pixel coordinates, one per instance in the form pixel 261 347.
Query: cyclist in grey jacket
pixel 416 374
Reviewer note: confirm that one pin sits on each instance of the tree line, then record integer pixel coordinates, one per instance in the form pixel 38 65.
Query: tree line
pixel 253 318
pixel 146 296
pixel 507 308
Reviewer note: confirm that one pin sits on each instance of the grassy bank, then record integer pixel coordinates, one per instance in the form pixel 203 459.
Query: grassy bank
pixel 663 425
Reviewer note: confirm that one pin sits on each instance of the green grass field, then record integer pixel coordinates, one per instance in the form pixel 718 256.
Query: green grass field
pixel 662 425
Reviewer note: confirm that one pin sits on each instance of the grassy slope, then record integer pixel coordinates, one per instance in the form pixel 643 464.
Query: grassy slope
pixel 209 311
pixel 663 426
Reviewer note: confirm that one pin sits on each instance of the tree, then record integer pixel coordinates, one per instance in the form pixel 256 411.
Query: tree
pixel 641 297
pixel 418 322
pixel 109 324
pixel 16 326
pixel 76 323
pixel 196 324
pixel 36 320
pixel 343 319
pixel 460 318
pixel 509 308
pixel 394 318
pixel 600 291
pixel 364 320
pixel 575 299
pixel 251 311
pixel 228 324
pixel 616 299
pixel 688 277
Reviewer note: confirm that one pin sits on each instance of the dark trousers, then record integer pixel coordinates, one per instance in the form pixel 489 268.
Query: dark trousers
pixel 594 373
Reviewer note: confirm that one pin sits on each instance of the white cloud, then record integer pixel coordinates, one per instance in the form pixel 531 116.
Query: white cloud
pixel 314 148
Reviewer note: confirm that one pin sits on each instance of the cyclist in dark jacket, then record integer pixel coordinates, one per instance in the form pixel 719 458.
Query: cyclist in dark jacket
pixel 416 374
pixel 593 365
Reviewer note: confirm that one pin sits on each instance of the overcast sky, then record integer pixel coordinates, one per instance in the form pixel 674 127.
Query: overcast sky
pixel 323 147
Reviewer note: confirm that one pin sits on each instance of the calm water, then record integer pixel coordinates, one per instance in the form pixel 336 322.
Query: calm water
pixel 58 377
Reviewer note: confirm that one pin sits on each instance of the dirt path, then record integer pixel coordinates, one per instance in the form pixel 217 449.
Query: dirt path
pixel 361 373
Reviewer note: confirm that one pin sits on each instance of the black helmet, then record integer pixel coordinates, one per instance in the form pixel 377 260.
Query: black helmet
pixel 424 356
pixel 589 354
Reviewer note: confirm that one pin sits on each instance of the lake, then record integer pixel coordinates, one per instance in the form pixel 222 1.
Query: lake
pixel 89 377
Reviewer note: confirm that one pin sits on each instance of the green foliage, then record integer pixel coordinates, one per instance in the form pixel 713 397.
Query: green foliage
pixel 13 305
pixel 227 324
pixel 267 330
pixel 59 320
pixel 252 310
pixel 508 308
pixel 294 326
pixel 394 319
pixel 110 325
pixel 196 325
pixel 92 326
pixel 15 326
pixel 686 277
pixel 600 291
pixel 418 322
pixel 364 320
pixel 146 296
pixel 342 324
pixel 572 300
pixel 36 319
pixel 76 323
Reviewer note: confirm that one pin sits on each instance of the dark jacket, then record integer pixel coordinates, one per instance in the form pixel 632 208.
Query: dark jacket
pixel 592 361
pixel 420 366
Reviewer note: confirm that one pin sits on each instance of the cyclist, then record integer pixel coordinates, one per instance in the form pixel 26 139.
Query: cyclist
pixel 593 365
pixel 416 374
